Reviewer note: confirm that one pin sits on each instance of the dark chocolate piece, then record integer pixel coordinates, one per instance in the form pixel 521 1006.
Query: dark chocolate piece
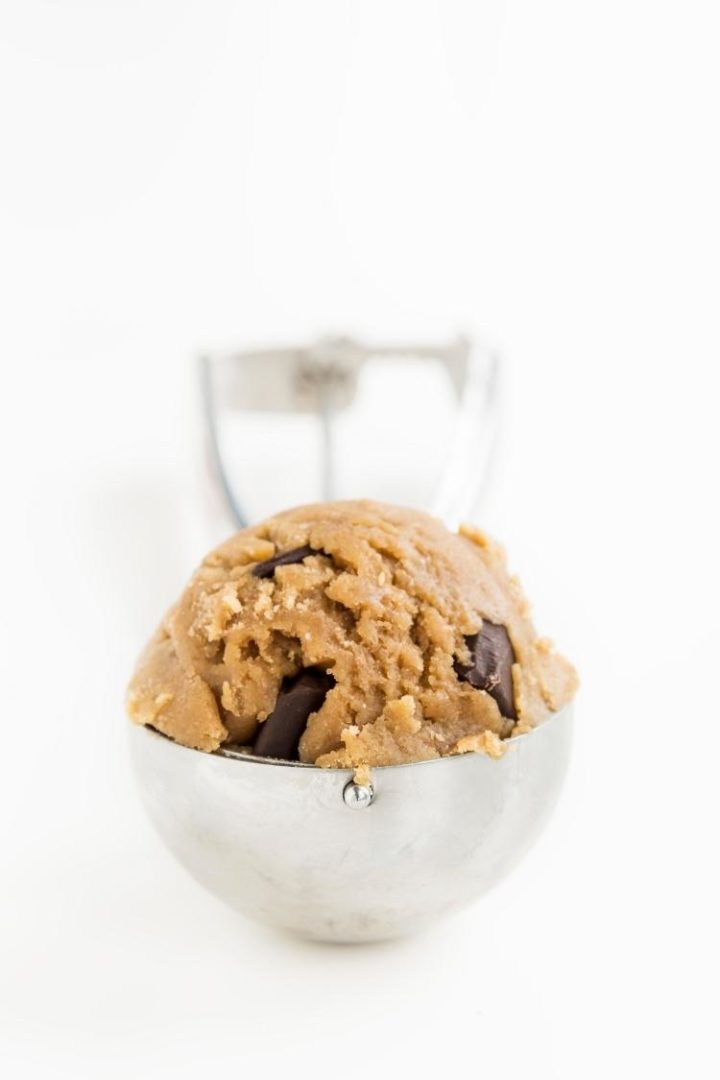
pixel 492 658
pixel 267 568
pixel 279 735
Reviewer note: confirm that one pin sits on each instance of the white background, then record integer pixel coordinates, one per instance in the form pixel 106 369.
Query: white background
pixel 176 174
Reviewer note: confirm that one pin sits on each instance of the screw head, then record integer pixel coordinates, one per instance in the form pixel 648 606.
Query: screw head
pixel 358 796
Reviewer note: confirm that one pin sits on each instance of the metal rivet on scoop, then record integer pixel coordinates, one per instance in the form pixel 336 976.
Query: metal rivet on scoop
pixel 358 796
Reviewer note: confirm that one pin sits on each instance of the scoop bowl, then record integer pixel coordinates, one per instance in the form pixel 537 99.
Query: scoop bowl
pixel 303 849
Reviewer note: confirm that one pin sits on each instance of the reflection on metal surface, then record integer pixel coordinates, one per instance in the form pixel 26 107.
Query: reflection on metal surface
pixel 275 840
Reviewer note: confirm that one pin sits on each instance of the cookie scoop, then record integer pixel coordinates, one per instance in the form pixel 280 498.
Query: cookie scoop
pixel 348 724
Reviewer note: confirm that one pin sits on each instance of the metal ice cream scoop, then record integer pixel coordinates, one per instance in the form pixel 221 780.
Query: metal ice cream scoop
pixel 305 848
pixel 308 850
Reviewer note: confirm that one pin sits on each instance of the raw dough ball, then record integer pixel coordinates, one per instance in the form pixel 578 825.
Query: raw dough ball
pixel 348 634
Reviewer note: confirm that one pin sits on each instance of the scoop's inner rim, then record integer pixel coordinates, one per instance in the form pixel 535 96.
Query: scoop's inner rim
pixel 254 759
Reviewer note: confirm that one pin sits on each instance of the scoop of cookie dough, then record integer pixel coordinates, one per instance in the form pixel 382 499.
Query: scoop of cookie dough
pixel 350 634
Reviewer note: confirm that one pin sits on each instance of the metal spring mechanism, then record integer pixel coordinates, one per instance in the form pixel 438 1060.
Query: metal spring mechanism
pixel 322 379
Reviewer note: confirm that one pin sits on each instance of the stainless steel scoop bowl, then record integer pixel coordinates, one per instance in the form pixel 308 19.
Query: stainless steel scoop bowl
pixel 307 850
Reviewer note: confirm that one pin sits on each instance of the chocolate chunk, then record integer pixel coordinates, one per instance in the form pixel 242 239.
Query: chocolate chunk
pixel 267 568
pixel 492 658
pixel 279 735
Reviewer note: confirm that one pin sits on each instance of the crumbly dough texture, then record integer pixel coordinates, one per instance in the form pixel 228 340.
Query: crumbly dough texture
pixel 385 608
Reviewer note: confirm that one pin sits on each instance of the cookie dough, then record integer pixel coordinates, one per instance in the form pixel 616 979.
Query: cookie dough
pixel 350 634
